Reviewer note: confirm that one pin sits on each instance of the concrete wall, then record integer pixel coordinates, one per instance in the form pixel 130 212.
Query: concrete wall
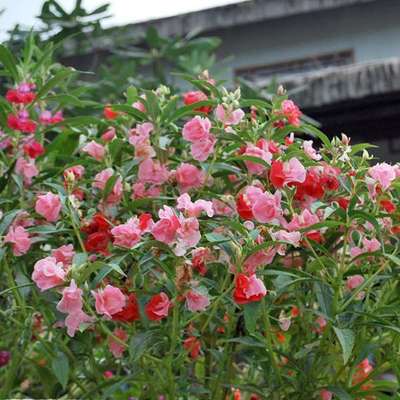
pixel 372 30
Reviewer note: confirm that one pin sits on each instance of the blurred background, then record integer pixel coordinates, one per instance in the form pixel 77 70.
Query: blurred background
pixel 339 59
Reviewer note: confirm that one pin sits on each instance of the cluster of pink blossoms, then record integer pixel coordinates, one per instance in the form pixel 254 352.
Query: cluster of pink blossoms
pixel 216 198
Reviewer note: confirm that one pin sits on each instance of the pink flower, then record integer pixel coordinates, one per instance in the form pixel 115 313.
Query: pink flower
pixel 325 394
pixel 71 301
pixel 100 181
pixel 188 235
pixel 46 118
pixel 140 139
pixel 304 220
pixel 310 151
pixel 203 148
pixel 116 348
pixel 139 191
pixel 196 301
pixel 259 259
pixel 127 235
pixel 27 169
pixel 95 150
pixel 64 254
pixel 189 177
pixel 266 207
pixel 229 117
pixel 383 173
pixel 153 172
pixel 221 208
pixel 253 167
pixel 165 229
pixel 197 129
pixel 19 239
pixel 354 281
pixel 184 203
pixel 75 320
pixel 108 374
pixel 292 238
pixel 139 105
pixel 109 135
pixel 48 273
pixel 369 246
pixel 75 172
pixel 320 325
pixel 48 206
pixel 291 112
pixel 109 301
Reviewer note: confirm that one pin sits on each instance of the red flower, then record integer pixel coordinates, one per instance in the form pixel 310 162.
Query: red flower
pixel 330 182
pixel 22 124
pixel 248 289
pixel 281 337
pixel 130 312
pixel 158 307
pixel 243 207
pixel 193 346
pixel 388 206
pixel 312 187
pixel 276 175
pixel 315 236
pixel 294 312
pixel 343 202
pixel 109 113
pixel 98 223
pixel 144 221
pixel 194 97
pixel 33 149
pixel 18 96
pixel 97 242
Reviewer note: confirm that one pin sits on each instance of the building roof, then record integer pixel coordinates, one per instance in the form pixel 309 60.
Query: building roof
pixel 246 12
pixel 345 83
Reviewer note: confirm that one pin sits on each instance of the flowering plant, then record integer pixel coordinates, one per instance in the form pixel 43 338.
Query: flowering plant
pixel 190 247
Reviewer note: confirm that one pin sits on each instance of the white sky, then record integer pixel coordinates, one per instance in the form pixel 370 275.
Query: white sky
pixel 123 11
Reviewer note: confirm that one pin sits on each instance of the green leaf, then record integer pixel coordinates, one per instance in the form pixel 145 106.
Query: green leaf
pixel 217 238
pixel 340 393
pixel 64 144
pixel 7 220
pixel 131 94
pixel 70 100
pixel 60 368
pixel 316 132
pixel 109 186
pixel 246 341
pixel 9 61
pixel 151 104
pixel 324 295
pixel 132 111
pixel 360 147
pixel 253 159
pixel 78 121
pixel 251 313
pixel 139 344
pixel 346 340
pixel 59 77
pixel 189 110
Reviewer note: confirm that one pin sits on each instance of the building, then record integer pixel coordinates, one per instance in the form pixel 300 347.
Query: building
pixel 339 58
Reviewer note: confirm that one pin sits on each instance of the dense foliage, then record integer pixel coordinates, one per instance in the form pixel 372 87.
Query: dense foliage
pixel 189 247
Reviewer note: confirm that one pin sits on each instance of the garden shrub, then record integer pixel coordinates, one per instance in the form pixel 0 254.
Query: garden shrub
pixel 204 246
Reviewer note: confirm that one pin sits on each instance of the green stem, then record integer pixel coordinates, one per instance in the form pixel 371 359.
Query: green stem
pixel 170 359
pixel 268 341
